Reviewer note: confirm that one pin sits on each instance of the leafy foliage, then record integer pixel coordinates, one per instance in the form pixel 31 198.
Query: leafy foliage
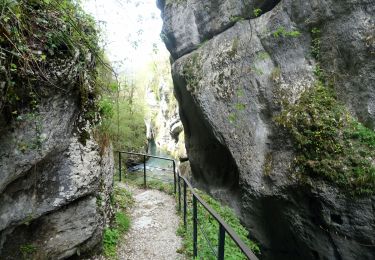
pixel 122 112
pixel 123 221
pixel 122 201
pixel 40 39
pixel 122 198
pixel 330 143
pixel 110 239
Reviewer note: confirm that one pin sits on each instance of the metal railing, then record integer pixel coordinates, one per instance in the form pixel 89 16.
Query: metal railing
pixel 224 228
pixel 145 157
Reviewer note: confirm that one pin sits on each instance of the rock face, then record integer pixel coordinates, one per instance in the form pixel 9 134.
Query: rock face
pixel 55 178
pixel 53 196
pixel 232 66
pixel 164 126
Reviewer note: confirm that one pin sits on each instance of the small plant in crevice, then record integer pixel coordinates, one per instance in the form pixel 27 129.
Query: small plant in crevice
pixel 232 118
pixel 257 12
pixel 282 32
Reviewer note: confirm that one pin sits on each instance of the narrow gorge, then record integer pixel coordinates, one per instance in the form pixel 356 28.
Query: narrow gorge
pixel 241 71
pixel 245 130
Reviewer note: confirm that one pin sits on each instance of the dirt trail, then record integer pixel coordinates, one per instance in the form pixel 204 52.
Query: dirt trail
pixel 153 230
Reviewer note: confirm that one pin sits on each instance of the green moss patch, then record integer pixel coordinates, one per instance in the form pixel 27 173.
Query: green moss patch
pixel 330 143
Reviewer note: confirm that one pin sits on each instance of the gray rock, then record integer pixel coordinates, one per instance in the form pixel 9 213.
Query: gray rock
pixel 54 236
pixel 230 87
pixel 54 191
pixel 176 129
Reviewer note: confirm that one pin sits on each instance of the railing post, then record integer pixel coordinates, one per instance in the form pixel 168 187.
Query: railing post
pixel 195 223
pixel 179 193
pixel 221 248
pixel 119 161
pixel 185 206
pixel 144 170
pixel 174 175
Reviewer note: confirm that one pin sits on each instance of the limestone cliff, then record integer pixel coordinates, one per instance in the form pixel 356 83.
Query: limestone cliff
pixel 235 66
pixel 164 126
pixel 55 179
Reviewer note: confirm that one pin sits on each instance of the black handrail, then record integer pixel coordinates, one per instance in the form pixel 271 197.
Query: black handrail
pixel 224 228
pixel 144 166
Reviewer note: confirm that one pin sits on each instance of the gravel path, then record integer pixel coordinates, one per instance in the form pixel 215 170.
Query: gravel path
pixel 153 230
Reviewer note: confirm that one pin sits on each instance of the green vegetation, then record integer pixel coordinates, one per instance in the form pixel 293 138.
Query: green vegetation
pixel 122 111
pixel 211 227
pixel 240 106
pixel 232 118
pixel 122 201
pixel 263 55
pixel 316 43
pixel 123 222
pixel 110 240
pixel 235 19
pixel 257 12
pixel 282 32
pixel 36 37
pixel 191 72
pixel 27 251
pixel 330 143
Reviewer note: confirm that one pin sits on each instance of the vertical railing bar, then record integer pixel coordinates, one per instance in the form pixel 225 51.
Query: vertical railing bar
pixel 179 192
pixel 221 245
pixel 174 175
pixel 195 231
pixel 144 171
pixel 185 205
pixel 119 160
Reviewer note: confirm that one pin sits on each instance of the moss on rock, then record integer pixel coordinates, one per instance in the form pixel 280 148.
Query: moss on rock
pixel 330 143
